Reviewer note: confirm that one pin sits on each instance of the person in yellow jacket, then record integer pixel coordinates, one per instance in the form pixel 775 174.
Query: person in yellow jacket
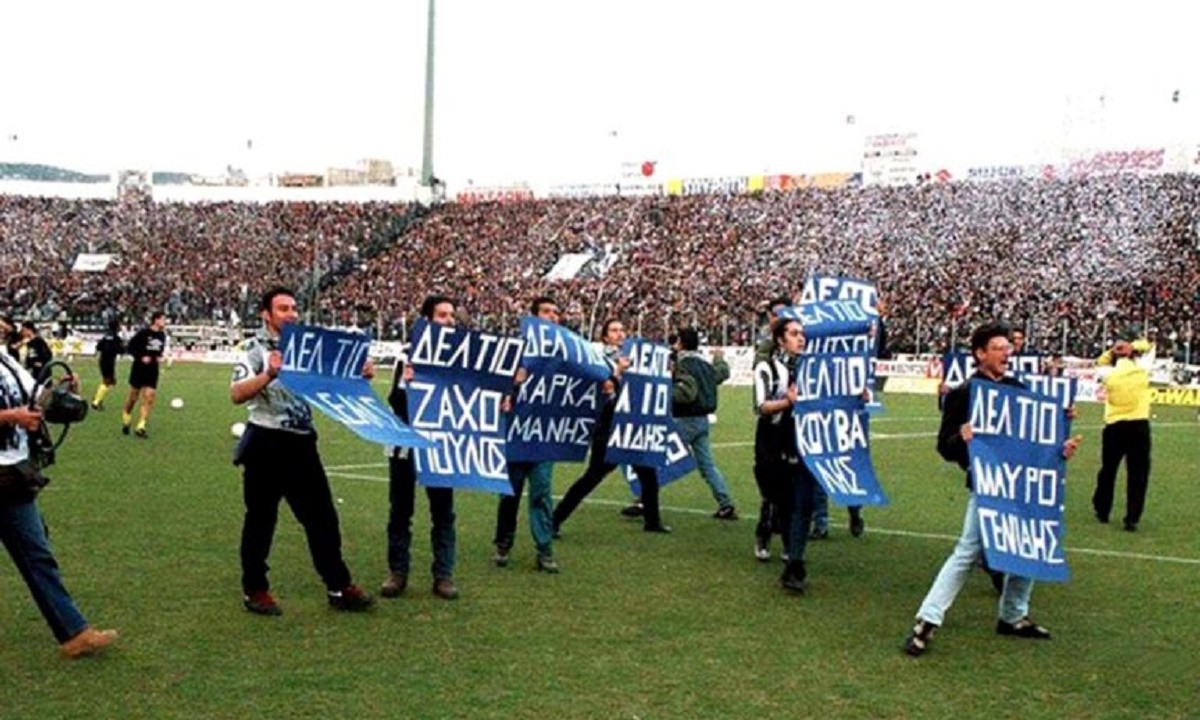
pixel 1126 433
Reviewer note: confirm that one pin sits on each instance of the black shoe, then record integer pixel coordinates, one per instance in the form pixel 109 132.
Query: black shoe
pixel 857 526
pixel 818 534
pixel 98 406
pixel 349 599
pixel 557 534
pixel 793 578
pixel 727 512
pixel 394 586
pixel 633 510
pixel 660 528
pixel 1023 628
pixel 445 589
pixel 124 429
pixel 917 641
pixel 547 564
pixel 141 434
pixel 1102 518
pixel 1130 526
pixel 261 603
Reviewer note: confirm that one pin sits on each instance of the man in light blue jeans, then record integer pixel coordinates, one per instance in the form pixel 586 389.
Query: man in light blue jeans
pixel 991 348
pixel 694 397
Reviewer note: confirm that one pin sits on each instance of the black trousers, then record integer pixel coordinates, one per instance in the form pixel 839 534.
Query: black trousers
pixel 1128 439
pixel 276 466
pixel 597 470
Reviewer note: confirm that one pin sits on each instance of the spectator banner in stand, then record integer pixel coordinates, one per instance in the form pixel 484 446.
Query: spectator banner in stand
pixel 558 403
pixel 832 427
pixel 325 368
pixel 456 399
pixel 643 432
pixel 1018 472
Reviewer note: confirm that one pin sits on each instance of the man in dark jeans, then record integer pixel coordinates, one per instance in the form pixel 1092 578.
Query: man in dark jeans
pixel 613 337
pixel 402 482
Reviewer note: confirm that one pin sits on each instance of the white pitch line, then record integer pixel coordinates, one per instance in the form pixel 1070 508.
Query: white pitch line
pixel 872 529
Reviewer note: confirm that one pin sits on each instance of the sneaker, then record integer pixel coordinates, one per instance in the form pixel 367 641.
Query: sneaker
pixel 141 433
pixel 500 557
pixel 660 529
pixel 1023 628
pixel 350 599
pixel 394 586
pixel 261 603
pixel 818 534
pixel 762 549
pixel 917 641
pixel 857 526
pixel 97 406
pixel 547 564
pixel 124 429
pixel 727 512
pixel 1130 526
pixel 444 588
pixel 87 642
pixel 632 510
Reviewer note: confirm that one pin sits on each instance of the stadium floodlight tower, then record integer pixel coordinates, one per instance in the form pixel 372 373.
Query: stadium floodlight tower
pixel 429 182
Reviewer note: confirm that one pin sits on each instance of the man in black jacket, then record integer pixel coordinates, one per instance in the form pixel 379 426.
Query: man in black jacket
pixel 991 348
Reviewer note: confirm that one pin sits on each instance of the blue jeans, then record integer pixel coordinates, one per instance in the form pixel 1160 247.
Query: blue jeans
pixel 1014 600
pixel 24 535
pixel 695 433
pixel 541 506
pixel 402 483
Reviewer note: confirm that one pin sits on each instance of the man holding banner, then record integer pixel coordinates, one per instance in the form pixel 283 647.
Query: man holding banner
pixel 599 463
pixel 553 418
pixel 278 455
pixel 402 481
pixel 978 419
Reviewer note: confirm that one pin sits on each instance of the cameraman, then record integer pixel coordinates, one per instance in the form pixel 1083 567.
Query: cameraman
pixel 22 529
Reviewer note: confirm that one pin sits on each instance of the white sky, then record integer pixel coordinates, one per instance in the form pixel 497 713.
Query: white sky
pixel 533 88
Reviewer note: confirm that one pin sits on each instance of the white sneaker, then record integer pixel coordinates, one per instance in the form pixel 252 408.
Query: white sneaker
pixel 761 551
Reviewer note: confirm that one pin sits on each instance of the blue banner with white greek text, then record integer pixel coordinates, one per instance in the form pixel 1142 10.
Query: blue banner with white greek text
pixel 1018 474
pixel 559 400
pixel 456 399
pixel 325 368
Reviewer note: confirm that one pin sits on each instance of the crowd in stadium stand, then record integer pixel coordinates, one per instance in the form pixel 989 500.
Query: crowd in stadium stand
pixel 1094 256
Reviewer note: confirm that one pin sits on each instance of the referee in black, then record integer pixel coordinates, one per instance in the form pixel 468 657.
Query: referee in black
pixel 147 348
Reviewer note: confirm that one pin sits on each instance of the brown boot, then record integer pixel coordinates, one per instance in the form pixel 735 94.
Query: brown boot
pixel 394 586
pixel 88 641
pixel 444 588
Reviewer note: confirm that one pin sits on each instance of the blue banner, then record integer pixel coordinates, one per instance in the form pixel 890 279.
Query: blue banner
pixel 1062 389
pixel 558 403
pixel 959 366
pixel 832 426
pixel 825 287
pixel 1018 473
pixel 325 368
pixel 830 318
pixel 642 423
pixel 456 396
